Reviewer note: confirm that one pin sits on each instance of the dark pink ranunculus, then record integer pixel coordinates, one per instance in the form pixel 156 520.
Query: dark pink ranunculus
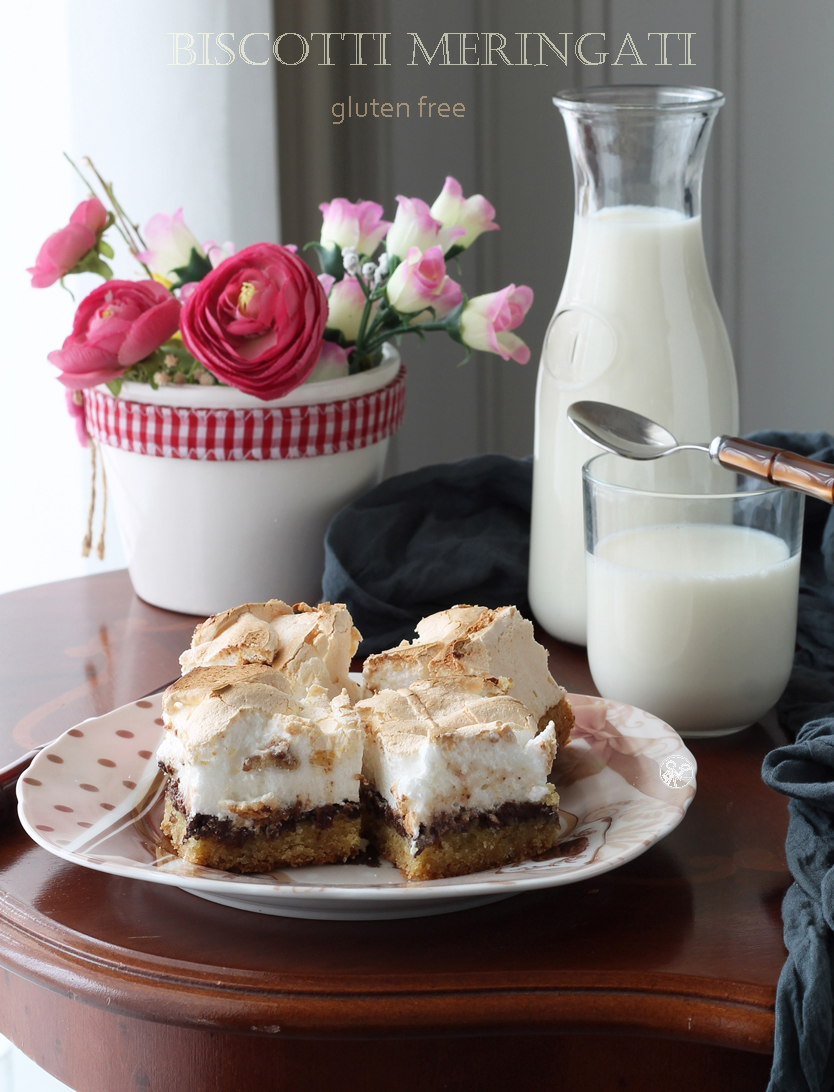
pixel 256 321
pixel 116 326
pixel 64 249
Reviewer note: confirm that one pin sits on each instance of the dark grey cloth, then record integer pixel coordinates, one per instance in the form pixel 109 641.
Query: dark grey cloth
pixel 804 1049
pixel 456 533
pixel 424 541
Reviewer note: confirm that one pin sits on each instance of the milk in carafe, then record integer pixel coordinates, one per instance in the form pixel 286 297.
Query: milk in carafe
pixel 637 324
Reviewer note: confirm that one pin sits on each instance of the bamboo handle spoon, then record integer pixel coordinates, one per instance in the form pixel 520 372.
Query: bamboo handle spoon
pixel 627 433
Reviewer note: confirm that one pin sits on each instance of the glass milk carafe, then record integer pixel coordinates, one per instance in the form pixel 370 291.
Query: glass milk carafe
pixel 636 324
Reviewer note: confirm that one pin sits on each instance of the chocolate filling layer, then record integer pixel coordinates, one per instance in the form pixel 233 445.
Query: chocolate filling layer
pixel 445 822
pixel 277 823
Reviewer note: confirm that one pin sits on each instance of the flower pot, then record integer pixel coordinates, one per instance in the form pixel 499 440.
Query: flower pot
pixel 224 499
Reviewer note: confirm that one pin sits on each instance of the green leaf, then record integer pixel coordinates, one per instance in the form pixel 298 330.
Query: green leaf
pixel 453 252
pixel 452 320
pixel 198 267
pixel 106 249
pixel 330 259
pixel 337 336
pixel 92 263
pixel 114 386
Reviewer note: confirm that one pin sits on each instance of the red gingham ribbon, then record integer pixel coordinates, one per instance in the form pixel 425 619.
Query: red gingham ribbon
pixel 287 432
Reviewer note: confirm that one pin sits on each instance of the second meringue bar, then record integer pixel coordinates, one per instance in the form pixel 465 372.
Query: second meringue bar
pixel 455 778
pixel 465 640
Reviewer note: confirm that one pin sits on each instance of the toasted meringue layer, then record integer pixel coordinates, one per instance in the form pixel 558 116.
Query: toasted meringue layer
pixel 309 645
pixel 241 745
pixel 468 640
pixel 443 746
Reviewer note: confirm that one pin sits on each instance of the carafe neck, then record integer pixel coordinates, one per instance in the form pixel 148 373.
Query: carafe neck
pixel 639 145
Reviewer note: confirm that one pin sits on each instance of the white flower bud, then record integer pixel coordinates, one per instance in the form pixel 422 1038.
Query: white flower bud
pixel 381 271
pixel 350 260
pixel 207 379
pixel 368 270
pixel 160 378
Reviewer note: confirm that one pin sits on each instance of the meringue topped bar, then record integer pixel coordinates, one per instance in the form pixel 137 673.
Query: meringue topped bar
pixel 455 778
pixel 308 645
pixel 478 641
pixel 272 760
pixel 258 779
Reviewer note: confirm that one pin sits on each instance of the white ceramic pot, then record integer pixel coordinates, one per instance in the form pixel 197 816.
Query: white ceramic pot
pixel 224 499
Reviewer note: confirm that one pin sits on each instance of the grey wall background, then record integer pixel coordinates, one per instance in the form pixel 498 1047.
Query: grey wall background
pixel 768 225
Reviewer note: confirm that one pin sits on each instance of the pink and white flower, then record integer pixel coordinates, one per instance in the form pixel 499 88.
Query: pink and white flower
pixel 414 225
pixel 486 321
pixel 218 252
pixel 169 244
pixel 331 364
pixel 64 249
pixel 474 214
pixel 358 225
pixel 420 282
pixel 345 305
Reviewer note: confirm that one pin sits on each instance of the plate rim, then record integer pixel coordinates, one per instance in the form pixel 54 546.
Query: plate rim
pixel 407 893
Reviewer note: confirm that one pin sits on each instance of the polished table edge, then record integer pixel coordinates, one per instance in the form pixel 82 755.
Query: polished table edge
pixel 190 995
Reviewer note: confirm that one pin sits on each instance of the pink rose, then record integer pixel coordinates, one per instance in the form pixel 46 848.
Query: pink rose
pixel 345 305
pixel 414 225
pixel 256 321
pixel 333 363
pixel 64 249
pixel 359 225
pixel 218 252
pixel 474 214
pixel 485 322
pixel 116 326
pixel 421 282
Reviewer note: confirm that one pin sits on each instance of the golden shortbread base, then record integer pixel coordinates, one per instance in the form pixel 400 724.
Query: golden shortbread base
pixel 562 717
pixel 305 845
pixel 460 852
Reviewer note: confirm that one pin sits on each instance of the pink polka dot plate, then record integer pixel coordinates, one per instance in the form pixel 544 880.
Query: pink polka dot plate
pixel 94 797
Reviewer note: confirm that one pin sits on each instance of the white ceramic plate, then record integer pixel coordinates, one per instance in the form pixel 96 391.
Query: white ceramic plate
pixel 94 797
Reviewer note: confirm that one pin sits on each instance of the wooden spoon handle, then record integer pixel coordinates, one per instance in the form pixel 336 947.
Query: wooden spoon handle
pixel 777 466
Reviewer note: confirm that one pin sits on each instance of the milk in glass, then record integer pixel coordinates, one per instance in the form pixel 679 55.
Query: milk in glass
pixel 693 622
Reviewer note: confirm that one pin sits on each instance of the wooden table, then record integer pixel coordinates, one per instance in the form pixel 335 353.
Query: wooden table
pixel 659 975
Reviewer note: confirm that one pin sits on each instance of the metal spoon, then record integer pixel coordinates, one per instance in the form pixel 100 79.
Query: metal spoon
pixel 627 433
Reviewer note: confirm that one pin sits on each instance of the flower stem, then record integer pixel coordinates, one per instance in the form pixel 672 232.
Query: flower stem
pixel 366 314
pixel 403 328
pixel 126 228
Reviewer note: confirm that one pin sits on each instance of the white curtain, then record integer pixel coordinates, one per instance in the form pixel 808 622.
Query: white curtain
pixel 101 84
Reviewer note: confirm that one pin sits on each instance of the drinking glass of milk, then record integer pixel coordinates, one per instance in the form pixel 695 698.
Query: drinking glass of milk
pixel 692 579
